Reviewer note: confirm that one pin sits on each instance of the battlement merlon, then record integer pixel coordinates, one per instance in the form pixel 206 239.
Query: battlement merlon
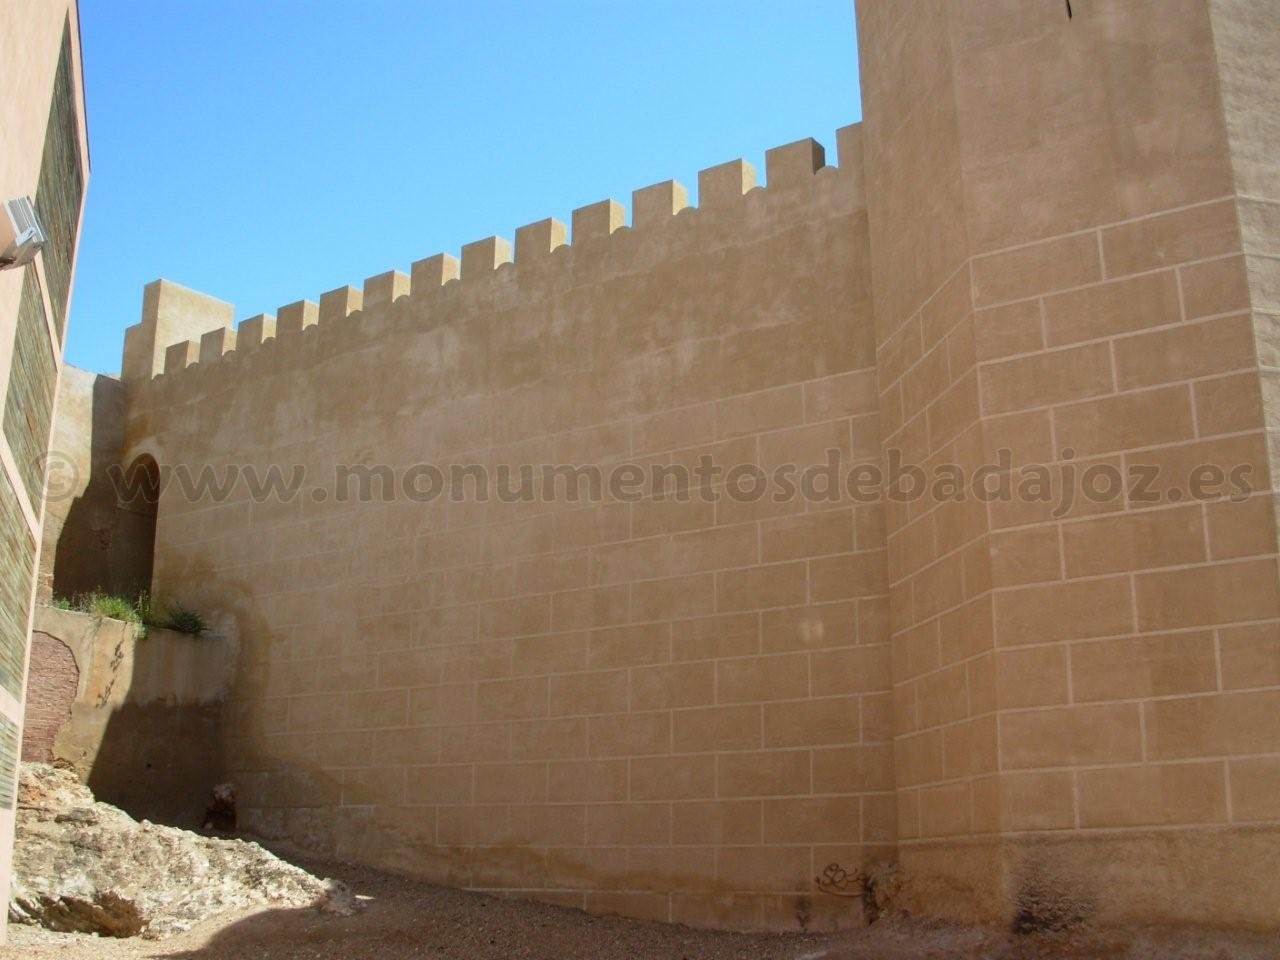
pixel 171 313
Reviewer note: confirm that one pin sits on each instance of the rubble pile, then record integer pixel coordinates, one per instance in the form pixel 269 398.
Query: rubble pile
pixel 87 867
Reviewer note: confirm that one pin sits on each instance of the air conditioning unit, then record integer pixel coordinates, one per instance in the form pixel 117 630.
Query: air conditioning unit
pixel 21 236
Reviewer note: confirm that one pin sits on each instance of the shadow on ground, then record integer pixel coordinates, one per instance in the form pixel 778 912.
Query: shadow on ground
pixel 405 918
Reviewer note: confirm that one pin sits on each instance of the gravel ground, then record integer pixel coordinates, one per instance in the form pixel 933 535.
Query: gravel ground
pixel 409 919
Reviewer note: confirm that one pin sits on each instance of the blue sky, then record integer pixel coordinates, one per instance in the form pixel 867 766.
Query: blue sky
pixel 267 151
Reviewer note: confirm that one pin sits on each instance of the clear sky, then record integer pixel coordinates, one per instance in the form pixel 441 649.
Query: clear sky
pixel 264 151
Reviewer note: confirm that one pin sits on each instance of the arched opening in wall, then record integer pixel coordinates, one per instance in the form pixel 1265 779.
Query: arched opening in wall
pixel 138 497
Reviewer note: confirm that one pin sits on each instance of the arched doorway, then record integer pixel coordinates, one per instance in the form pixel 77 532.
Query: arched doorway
pixel 106 539
pixel 138 498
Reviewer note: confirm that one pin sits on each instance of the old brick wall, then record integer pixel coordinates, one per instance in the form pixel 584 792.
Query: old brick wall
pixel 53 679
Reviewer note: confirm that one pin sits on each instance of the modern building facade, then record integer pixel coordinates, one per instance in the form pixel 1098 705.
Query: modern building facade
pixel 44 155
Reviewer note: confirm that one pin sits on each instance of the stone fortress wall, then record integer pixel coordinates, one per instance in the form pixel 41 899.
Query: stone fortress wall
pixel 599 702
pixel 1054 235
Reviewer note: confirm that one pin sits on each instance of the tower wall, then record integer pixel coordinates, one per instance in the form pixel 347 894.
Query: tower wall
pixel 1084 696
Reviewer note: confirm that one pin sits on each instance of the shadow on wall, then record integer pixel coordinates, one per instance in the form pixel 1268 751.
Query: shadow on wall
pixel 93 540
pixel 143 723
pixel 138 719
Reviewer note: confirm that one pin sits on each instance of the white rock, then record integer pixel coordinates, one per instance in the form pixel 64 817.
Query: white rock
pixel 88 867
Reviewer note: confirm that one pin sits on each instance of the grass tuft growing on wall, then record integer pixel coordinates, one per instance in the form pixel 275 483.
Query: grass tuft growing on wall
pixel 182 619
pixel 145 611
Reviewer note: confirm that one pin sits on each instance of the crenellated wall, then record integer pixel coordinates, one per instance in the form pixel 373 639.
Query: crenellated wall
pixel 1053 235
pixel 676 707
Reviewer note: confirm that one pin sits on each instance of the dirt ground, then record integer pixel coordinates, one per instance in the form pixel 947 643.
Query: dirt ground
pixel 409 919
